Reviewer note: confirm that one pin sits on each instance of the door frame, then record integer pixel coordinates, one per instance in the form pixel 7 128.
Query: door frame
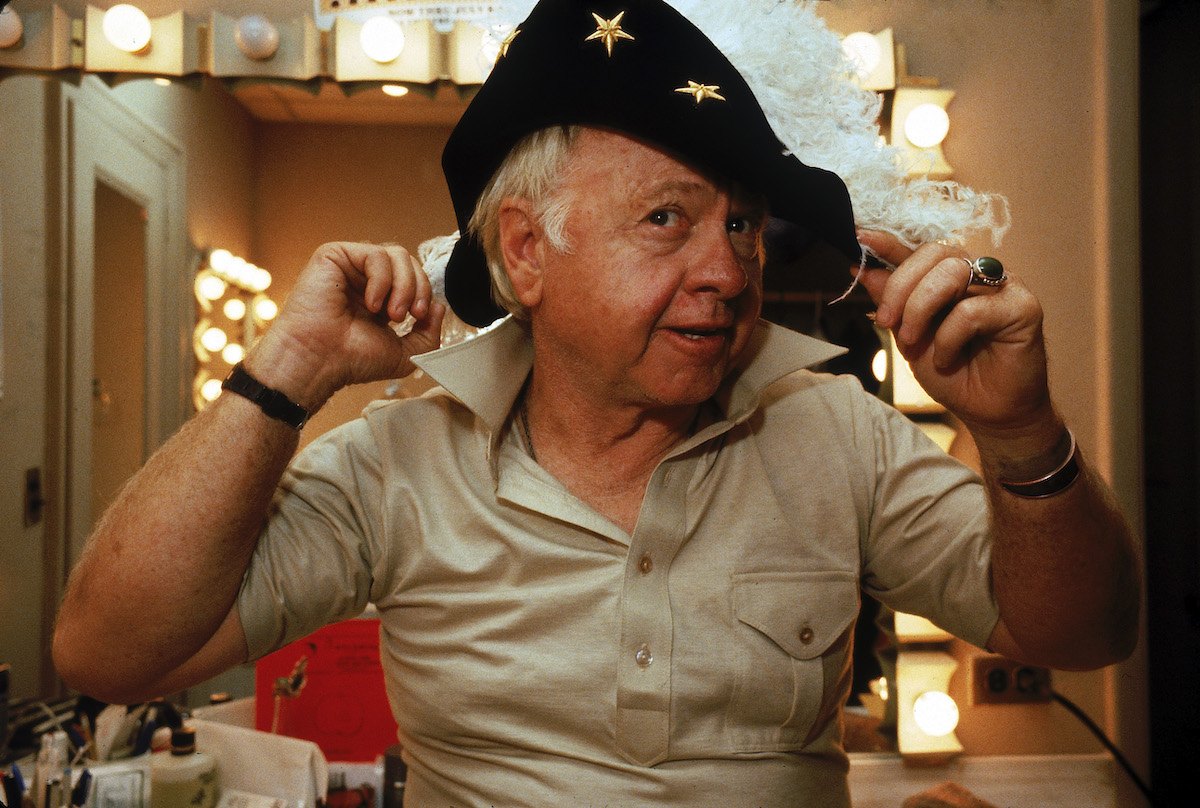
pixel 104 140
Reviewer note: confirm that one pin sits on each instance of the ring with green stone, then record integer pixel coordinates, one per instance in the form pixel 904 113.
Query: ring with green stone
pixel 986 271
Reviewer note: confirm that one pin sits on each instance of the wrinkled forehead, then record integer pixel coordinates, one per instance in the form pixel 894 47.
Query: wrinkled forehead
pixel 602 157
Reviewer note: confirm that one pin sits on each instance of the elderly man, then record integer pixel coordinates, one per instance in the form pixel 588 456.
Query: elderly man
pixel 618 555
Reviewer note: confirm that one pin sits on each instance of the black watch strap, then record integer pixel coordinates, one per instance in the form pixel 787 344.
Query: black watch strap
pixel 272 402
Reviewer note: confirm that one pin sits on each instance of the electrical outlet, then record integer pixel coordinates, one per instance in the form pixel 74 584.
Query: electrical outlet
pixel 998 680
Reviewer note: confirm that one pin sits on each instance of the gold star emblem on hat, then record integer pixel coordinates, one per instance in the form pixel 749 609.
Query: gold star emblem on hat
pixel 701 91
pixel 608 30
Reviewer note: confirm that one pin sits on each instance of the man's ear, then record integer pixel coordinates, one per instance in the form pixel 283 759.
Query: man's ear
pixel 521 243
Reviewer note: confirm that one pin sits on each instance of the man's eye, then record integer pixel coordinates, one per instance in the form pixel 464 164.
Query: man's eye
pixel 663 218
pixel 745 234
pixel 742 224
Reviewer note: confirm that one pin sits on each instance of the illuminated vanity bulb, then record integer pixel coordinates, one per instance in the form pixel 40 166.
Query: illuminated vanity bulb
pixel 235 308
pixel 235 270
pixel 11 28
pixel 879 365
pixel 936 713
pixel 265 308
pixel 257 279
pixel 382 39
pixel 863 51
pixel 256 37
pixel 214 339
pixel 220 260
pixel 926 126
pixel 127 28
pixel 210 287
pixel 395 90
pixel 233 353
pixel 210 389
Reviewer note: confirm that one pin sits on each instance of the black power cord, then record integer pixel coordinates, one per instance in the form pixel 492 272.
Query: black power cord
pixel 1109 745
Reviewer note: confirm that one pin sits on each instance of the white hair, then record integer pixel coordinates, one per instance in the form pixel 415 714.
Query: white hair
pixel 533 170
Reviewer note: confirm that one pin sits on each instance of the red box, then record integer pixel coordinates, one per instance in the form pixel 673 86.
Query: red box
pixel 328 688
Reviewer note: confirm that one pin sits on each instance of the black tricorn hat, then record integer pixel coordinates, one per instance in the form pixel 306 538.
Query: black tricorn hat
pixel 640 68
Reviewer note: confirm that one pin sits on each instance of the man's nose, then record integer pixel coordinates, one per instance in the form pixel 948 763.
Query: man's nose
pixel 716 268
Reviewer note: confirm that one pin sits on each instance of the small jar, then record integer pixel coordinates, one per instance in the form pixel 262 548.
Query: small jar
pixel 183 777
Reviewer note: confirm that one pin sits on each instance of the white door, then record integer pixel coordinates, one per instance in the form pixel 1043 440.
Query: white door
pixel 113 155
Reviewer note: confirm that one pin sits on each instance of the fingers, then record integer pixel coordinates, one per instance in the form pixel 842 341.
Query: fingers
pixel 886 247
pixel 969 321
pixel 918 285
pixel 921 290
pixel 925 298
pixel 395 283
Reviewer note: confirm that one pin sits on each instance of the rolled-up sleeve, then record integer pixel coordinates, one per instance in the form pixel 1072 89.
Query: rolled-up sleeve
pixel 313 562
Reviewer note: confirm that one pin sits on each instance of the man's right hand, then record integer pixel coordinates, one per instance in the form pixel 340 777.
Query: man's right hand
pixel 336 327
pixel 151 606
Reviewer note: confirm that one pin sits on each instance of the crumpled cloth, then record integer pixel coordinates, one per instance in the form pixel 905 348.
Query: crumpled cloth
pixel 261 763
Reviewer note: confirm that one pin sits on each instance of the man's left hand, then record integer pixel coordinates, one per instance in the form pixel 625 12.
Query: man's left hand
pixel 977 350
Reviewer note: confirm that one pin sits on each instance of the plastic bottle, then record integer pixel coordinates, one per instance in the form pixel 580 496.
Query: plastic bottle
pixel 183 777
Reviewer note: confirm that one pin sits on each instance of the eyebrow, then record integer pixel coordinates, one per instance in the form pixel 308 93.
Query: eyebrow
pixel 677 186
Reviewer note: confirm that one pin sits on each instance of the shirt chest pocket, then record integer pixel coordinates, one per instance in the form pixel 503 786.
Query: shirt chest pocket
pixel 795 635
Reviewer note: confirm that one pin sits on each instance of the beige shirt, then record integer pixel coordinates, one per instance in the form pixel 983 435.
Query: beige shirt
pixel 538 655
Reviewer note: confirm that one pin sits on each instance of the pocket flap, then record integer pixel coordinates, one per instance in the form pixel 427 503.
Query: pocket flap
pixel 803 613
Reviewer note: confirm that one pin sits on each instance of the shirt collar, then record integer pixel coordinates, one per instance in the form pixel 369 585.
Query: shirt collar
pixel 486 373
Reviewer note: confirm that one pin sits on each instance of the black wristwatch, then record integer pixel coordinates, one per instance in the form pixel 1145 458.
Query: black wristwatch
pixel 272 402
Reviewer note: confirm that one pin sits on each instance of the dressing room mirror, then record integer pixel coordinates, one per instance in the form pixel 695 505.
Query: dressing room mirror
pixel 271 169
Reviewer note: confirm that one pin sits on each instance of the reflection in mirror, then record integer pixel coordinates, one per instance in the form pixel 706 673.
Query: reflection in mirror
pixel 276 134
pixel 119 362
pixel 251 163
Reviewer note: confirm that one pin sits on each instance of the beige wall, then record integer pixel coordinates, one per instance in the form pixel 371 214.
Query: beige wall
pixel 218 139
pixel 319 183
pixel 1044 113
pixel 26 255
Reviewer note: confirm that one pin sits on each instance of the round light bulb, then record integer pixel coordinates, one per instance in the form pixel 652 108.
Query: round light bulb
pixel 214 339
pixel 235 309
pixel 235 270
pixel 926 125
pixel 11 28
pixel 936 713
pixel 258 279
pixel 210 389
pixel 220 260
pixel 256 37
pixel 265 309
pixel 233 353
pixel 126 27
pixel 879 365
pixel 382 39
pixel 211 287
pixel 863 51
pixel 395 90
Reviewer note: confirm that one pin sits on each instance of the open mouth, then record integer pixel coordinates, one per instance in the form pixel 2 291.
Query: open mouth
pixel 697 334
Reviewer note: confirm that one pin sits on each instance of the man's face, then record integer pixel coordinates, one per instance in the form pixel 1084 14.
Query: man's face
pixel 663 284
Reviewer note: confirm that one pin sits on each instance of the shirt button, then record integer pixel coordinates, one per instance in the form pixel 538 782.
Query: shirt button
pixel 807 635
pixel 643 657
pixel 646 564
